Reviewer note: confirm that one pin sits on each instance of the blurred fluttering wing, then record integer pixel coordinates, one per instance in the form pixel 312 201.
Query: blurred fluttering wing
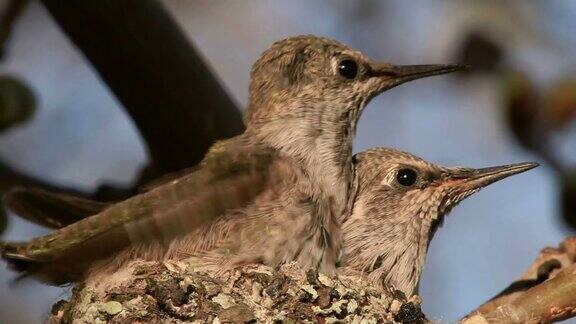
pixel 54 209
pixel 231 176
pixel 50 209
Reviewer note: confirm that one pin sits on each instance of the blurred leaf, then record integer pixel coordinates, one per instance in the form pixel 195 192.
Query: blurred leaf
pixel 17 102
pixel 519 103
pixel 480 52
pixel 568 198
pixel 561 104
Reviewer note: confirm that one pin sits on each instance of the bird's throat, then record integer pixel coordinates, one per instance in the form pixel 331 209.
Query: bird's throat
pixel 321 149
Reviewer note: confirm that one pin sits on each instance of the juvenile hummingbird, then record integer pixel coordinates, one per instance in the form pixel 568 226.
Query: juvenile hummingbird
pixel 274 194
pixel 399 203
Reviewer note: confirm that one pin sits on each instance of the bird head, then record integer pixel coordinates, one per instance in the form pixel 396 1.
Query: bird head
pixel 400 201
pixel 318 82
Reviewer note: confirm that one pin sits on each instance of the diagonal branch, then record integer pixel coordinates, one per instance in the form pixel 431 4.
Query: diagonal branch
pixel 545 293
pixel 177 103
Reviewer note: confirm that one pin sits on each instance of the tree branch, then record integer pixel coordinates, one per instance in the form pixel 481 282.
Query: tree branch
pixel 545 293
pixel 163 83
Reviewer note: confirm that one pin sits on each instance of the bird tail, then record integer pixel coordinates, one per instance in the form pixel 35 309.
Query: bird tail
pixel 18 260
pixel 49 209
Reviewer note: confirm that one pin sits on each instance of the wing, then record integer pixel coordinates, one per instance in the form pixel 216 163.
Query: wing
pixel 232 175
pixel 166 178
pixel 58 209
pixel 50 209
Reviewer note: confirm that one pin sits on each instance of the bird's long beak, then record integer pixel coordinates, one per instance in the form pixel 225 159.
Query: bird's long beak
pixel 460 183
pixel 394 75
pixel 471 179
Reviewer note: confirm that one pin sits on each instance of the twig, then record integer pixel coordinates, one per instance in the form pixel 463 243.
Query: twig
pixel 545 293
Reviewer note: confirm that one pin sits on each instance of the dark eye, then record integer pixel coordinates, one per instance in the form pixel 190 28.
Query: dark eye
pixel 348 69
pixel 406 177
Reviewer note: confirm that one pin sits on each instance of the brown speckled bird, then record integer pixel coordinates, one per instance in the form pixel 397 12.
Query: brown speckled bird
pixel 273 194
pixel 399 203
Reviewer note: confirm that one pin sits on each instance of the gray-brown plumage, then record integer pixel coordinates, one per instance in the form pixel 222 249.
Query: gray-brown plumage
pixel 273 194
pixel 399 203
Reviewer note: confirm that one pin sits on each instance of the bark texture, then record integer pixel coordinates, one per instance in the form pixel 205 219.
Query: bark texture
pixel 178 292
pixel 545 293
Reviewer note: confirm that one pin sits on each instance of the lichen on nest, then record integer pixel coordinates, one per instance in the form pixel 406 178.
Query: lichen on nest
pixel 177 292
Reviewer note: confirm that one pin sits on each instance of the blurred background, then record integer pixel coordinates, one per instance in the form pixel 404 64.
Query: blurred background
pixel 61 125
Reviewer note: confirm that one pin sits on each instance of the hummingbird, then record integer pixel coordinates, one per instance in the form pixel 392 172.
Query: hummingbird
pixel 399 203
pixel 275 193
